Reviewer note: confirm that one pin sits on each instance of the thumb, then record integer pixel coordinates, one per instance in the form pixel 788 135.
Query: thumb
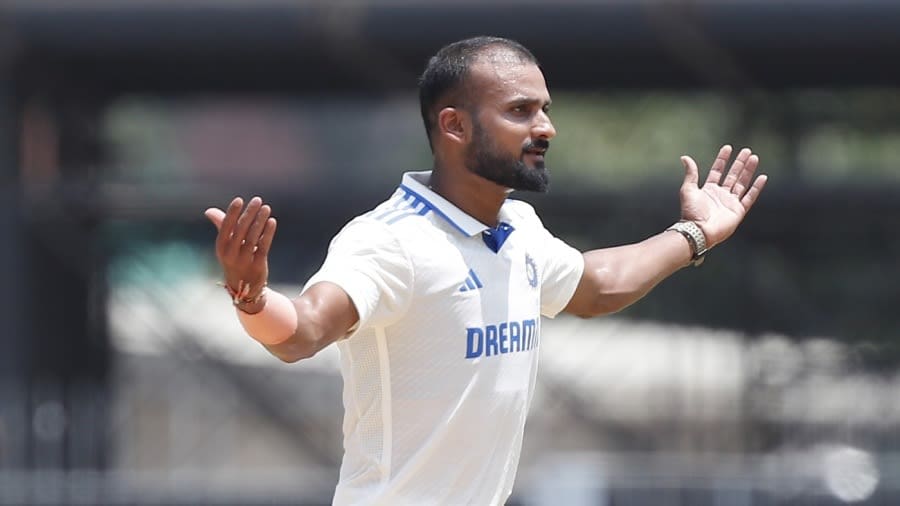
pixel 216 216
pixel 691 172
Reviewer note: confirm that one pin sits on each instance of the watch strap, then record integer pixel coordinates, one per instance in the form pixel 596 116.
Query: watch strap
pixel 695 238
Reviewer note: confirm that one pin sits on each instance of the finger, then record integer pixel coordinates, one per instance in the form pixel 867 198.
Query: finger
pixel 753 194
pixel 225 230
pixel 691 172
pixel 242 225
pixel 252 238
pixel 746 176
pixel 216 216
pixel 736 168
pixel 265 240
pixel 232 214
pixel 718 166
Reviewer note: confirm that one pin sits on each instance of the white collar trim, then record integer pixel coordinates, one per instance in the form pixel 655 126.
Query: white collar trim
pixel 417 184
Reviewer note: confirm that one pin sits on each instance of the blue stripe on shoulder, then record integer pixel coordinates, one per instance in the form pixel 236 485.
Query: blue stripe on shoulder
pixel 430 206
pixel 395 207
pixel 399 217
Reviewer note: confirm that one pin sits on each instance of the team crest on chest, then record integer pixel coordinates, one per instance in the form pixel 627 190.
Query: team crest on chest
pixel 531 271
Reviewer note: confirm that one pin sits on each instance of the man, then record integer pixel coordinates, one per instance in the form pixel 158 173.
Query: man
pixel 434 298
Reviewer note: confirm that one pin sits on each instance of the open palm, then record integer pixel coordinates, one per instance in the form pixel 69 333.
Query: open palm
pixel 720 205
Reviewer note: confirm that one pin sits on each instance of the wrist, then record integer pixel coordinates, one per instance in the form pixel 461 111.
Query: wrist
pixel 245 298
pixel 274 323
pixel 254 305
pixel 696 240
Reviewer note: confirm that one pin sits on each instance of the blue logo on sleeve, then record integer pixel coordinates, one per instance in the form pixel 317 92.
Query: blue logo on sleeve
pixel 507 337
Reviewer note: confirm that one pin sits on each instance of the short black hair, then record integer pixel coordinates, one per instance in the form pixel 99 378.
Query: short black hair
pixel 447 71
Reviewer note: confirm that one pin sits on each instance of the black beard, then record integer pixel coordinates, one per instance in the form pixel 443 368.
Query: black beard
pixel 486 161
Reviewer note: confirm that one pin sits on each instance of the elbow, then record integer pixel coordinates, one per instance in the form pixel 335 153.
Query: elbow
pixel 290 353
pixel 593 304
pixel 584 315
pixel 290 359
pixel 610 304
pixel 602 305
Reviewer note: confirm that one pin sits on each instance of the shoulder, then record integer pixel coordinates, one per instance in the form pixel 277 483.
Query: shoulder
pixel 394 224
pixel 401 208
pixel 519 206
pixel 371 231
pixel 369 247
pixel 522 212
pixel 380 219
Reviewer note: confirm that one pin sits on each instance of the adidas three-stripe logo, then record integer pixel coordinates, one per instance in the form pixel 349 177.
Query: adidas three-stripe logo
pixel 472 282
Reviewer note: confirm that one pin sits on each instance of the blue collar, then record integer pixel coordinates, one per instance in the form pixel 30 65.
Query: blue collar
pixel 495 237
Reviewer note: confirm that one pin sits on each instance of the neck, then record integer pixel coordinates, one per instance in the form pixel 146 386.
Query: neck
pixel 474 195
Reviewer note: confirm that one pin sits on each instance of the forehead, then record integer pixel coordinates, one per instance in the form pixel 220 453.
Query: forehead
pixel 501 76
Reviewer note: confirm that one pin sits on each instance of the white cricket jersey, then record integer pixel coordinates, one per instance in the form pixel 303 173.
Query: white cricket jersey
pixel 440 371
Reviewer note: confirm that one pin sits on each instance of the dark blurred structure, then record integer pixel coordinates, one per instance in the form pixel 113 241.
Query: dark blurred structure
pixel 811 260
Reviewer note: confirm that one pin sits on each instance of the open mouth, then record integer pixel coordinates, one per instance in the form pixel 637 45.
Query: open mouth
pixel 536 149
pixel 536 153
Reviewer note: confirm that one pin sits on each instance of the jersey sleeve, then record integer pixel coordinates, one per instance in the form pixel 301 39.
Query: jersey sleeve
pixel 368 262
pixel 561 265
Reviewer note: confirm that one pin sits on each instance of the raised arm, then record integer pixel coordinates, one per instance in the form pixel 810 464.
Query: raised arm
pixel 289 329
pixel 615 278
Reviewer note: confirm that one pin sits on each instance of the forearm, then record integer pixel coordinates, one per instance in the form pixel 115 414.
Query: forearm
pixel 614 278
pixel 273 322
pixel 296 329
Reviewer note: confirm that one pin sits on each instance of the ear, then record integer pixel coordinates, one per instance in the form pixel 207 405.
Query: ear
pixel 454 124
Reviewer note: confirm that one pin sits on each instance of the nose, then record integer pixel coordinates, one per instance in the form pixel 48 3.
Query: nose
pixel 543 127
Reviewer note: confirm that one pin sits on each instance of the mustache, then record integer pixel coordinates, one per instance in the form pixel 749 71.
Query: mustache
pixel 536 144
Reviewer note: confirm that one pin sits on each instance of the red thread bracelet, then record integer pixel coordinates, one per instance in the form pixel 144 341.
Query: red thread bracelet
pixel 241 295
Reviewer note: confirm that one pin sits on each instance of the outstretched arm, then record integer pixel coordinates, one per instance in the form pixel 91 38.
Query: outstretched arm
pixel 289 329
pixel 615 278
